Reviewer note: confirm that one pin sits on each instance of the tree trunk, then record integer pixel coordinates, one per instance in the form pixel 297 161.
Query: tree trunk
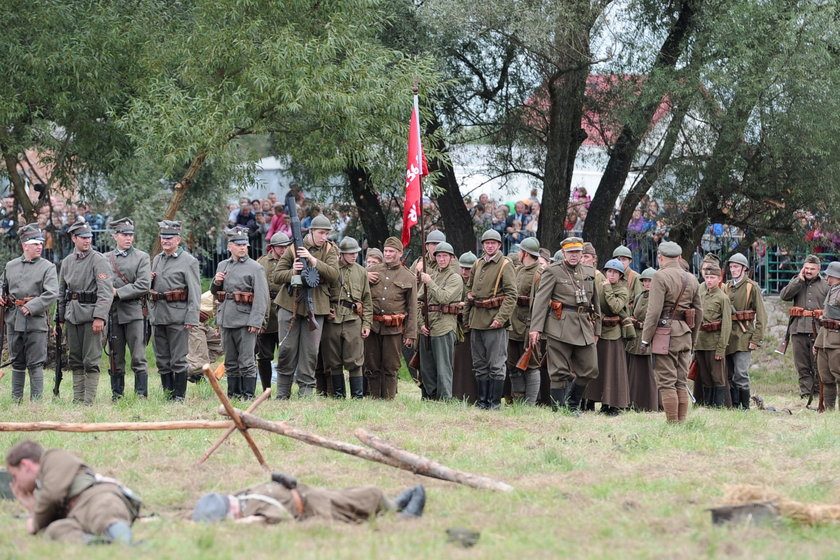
pixel 181 188
pixel 368 206
pixel 18 186
pixel 453 211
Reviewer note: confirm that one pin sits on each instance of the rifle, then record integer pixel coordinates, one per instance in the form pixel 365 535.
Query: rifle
pixel 308 278
pixel 782 347
pixel 147 325
pixel 525 359
pixel 112 343
pixel 59 353
pixel 6 297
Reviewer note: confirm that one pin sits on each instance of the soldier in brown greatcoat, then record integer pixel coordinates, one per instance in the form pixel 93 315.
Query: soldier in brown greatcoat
pixel 644 396
pixel 393 290
pixel 463 378
pixel 491 297
pixel 674 306
pixel 567 312
pixel 807 291
pixel 827 345
pixel 66 499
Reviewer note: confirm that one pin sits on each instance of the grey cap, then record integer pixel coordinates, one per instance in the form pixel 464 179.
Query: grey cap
pixel 622 251
pixel 558 256
pixel 31 233
pixel 349 245
pixel 614 264
pixel 491 235
pixel 669 249
pixel 530 245
pixel 467 260
pixel 320 222
pixel 374 252
pixel 169 228
pixel 237 236
pixel 444 247
pixel 211 507
pixel 833 269
pixel 435 236
pixel 123 225
pixel 738 258
pixel 647 274
pixel 280 239
pixel 80 229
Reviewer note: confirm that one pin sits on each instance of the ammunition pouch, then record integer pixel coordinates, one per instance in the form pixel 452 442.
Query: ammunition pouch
pixel 22 302
pixel 354 306
pixel 172 295
pixel 395 320
pixel 221 296
pixel 81 297
pixel 610 321
pixel 714 326
pixel 830 324
pixel 489 303
pixel 243 298
pixel 523 301
pixel 744 315
pixel 686 315
pixel 802 312
pixel 446 308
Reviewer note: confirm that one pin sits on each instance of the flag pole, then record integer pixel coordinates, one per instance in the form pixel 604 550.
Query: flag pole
pixel 415 90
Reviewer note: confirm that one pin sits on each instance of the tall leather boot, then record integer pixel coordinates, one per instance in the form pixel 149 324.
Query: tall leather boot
pixel 670 403
pixel 735 395
pixel 389 386
pixel 532 386
pixel 683 400
pixel 357 387
pixel 284 387
pixel 338 386
pixel 180 386
pixel 141 384
pixel 517 386
pixel 233 389
pixel 483 401
pixel 249 387
pixel 708 396
pixel 559 397
pixel 497 387
pixel 167 381
pixel 36 383
pixel 374 383
pixel 719 396
pixel 575 398
pixel 78 386
pixel 117 386
pixel 91 384
pixel 829 395
pixel 18 383
pixel 745 398
pixel 264 369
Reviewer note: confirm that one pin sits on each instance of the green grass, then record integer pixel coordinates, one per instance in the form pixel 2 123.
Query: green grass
pixel 589 487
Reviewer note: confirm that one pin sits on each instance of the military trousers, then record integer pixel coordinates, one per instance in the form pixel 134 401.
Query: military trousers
pixel 489 353
pixel 298 348
pixel 806 364
pixel 828 360
pixel 712 373
pixel 738 368
pixel 129 335
pixel 204 347
pixel 27 349
pixel 238 344
pixel 84 346
pixel 171 344
pixel 94 511
pixel 382 362
pixel 437 357
pixel 344 347
pixel 266 345
pixel 567 362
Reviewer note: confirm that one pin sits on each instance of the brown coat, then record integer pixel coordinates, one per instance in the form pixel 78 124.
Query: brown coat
pixel 664 289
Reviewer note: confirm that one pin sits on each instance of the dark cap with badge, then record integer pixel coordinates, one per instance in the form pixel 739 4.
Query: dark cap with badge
pixel 237 236
pixel 80 229
pixel 31 234
pixel 169 228
pixel 123 225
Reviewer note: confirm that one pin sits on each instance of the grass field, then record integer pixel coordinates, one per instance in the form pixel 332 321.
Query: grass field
pixel 589 487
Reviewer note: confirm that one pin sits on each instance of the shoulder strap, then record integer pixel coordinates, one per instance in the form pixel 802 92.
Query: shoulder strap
pixel 749 291
pixel 116 269
pixel 682 289
pixel 505 261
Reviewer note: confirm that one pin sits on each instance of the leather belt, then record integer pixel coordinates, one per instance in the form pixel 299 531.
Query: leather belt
pixel 22 302
pixel 298 499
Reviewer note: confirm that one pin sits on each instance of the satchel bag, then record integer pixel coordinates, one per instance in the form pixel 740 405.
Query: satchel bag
pixel 661 342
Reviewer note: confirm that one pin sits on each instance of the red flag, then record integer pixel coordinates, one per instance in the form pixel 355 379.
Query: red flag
pixel 415 169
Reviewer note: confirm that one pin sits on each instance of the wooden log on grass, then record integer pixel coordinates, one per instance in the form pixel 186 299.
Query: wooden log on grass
pixel 266 394
pixel 114 426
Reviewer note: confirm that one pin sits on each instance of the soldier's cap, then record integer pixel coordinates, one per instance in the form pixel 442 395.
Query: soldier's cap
pixel 833 269
pixel 320 222
pixel 622 251
pixel 169 228
pixel 467 260
pixel 711 258
pixel 349 245
pixel 545 253
pixel 394 243
pixel 123 225
pixel 572 244
pixel 530 245
pixel 589 249
pixel 711 269
pixel 237 236
pixel 444 247
pixel 211 507
pixel 614 264
pixel 80 229
pixel 31 234
pixel 558 256
pixel 435 236
pixel 669 249
pixel 375 253
pixel 280 239
pixel 647 274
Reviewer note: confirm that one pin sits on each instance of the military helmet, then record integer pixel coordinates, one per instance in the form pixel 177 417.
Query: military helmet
pixel 491 235
pixel 435 236
pixel 467 260
pixel 530 245
pixel 738 258
pixel 349 245
pixel 614 264
pixel 647 274
pixel 280 239
pixel 320 222
pixel 444 247
pixel 833 269
pixel 622 251
pixel 211 507
pixel 558 256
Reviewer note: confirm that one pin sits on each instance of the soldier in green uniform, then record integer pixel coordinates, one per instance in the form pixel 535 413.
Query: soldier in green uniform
pixel 749 321
pixel 463 378
pixel 86 292
pixel 490 301
pixel 807 291
pixel 241 288
pixel 132 277
pixel 175 298
pixel 437 345
pixel 644 396
pixel 348 325
pixel 827 345
pixel 567 312
pixel 525 384
pixel 290 500
pixel 715 328
pixel 204 339
pixel 301 337
pixel 373 256
pixel 428 263
pixel 267 338
pixel 673 305
pixel 393 290
pixel 29 287
pixel 68 501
